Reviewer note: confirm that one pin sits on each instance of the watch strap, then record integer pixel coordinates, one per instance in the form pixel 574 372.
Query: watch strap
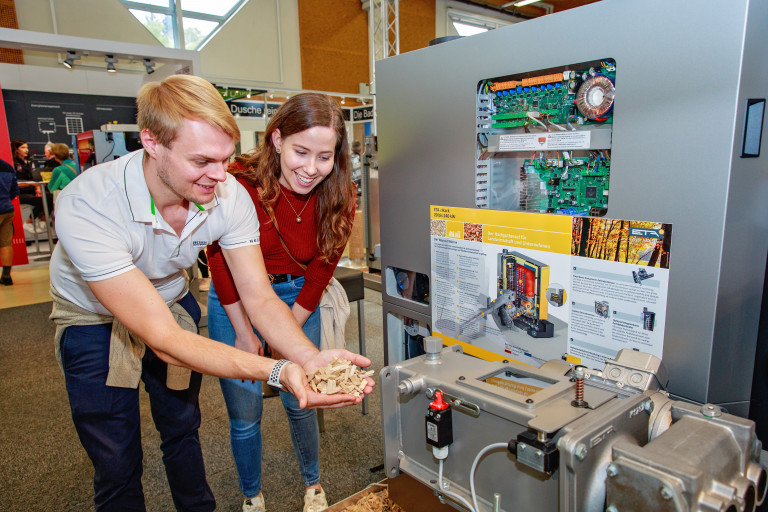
pixel 274 375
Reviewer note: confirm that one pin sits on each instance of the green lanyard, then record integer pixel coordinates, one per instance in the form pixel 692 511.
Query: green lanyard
pixel 152 205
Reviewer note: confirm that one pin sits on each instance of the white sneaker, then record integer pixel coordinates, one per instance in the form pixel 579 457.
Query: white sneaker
pixel 205 284
pixel 314 501
pixel 254 504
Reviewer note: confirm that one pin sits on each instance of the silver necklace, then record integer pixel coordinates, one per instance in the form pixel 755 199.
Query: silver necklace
pixel 298 215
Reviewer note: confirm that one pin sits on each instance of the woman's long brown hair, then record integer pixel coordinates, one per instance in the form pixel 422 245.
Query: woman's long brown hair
pixel 335 194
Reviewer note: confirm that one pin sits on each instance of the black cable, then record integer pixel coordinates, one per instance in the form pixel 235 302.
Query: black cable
pixel 112 150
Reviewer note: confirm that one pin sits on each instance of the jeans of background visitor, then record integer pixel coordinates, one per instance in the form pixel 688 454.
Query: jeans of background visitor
pixel 109 426
pixel 244 403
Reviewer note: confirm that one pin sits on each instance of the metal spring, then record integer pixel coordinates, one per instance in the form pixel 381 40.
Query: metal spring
pixel 580 391
pixel 578 377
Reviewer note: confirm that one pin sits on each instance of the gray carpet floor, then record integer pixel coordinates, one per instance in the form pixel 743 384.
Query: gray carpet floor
pixel 44 467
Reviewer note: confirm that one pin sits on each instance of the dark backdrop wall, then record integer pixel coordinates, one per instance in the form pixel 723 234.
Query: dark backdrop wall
pixel 40 117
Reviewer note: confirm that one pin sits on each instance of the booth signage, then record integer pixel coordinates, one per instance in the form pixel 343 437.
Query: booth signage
pixel 242 108
pixel 362 114
pixel 247 108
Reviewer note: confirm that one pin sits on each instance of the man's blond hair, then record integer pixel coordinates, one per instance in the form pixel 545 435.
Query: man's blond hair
pixel 163 107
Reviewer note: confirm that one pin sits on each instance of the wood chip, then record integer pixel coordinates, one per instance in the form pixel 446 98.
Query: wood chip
pixel 341 376
pixel 374 502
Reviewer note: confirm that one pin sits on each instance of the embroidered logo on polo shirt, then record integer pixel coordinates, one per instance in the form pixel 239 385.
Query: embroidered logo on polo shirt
pixel 199 243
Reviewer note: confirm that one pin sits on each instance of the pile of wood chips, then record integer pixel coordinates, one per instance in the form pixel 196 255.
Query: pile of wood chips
pixel 341 376
pixel 375 502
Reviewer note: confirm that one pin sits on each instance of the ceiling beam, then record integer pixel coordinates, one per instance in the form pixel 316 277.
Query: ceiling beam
pixel 56 43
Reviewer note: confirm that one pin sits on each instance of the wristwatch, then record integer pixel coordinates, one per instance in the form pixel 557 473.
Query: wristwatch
pixel 274 375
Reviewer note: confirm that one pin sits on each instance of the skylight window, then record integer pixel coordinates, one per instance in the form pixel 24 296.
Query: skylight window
pixel 469 24
pixel 465 29
pixel 200 19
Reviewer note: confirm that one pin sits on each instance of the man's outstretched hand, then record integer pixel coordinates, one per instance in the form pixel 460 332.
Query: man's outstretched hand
pixel 294 378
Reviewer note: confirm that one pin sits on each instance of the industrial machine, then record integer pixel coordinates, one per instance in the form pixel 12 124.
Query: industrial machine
pixel 109 143
pixel 640 275
pixel 647 111
pixel 370 204
pixel 521 301
pixel 506 436
pixel 556 296
pixel 602 308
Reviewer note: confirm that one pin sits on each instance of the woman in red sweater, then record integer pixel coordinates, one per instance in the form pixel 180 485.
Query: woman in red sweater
pixel 299 179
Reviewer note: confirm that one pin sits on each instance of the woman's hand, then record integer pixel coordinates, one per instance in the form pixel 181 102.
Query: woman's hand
pixel 245 338
pixel 249 342
pixel 300 314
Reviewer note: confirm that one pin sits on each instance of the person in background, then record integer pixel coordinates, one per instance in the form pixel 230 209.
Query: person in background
pixel 9 189
pixel 357 165
pixel 27 192
pixel 128 231
pixel 299 180
pixel 205 278
pixel 64 172
pixel 50 161
pixel 21 160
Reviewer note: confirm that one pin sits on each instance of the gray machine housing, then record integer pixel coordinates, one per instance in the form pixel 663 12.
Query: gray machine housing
pixel 684 75
pixel 631 449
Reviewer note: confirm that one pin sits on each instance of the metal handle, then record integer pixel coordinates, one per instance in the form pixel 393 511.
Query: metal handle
pixel 456 402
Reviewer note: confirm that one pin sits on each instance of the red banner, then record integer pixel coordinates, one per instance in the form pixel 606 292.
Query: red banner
pixel 19 240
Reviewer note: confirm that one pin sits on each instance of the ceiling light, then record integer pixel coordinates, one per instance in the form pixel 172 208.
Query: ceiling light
pixel 343 100
pixel 70 60
pixel 110 60
pixel 524 2
pixel 149 65
pixel 271 96
pixel 249 94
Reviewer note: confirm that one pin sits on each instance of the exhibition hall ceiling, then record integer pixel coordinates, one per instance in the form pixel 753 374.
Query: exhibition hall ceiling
pixel 529 11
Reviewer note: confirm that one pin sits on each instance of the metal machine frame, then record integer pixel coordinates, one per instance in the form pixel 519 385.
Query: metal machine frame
pixel 685 77
pixel 621 445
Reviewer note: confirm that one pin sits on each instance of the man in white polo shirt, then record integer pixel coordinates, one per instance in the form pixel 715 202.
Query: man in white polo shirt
pixel 127 231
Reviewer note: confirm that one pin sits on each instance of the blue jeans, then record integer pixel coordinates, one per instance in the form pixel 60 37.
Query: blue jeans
pixel 108 423
pixel 244 403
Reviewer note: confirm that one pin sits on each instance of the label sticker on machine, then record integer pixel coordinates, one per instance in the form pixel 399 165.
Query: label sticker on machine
pixel 545 141
pixel 431 431
pixel 516 382
pixel 534 287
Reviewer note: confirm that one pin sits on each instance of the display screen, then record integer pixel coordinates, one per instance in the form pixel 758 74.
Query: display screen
pixel 753 129
pixel 517 381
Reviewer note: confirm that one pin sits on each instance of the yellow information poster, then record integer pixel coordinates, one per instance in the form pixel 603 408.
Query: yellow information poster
pixel 534 287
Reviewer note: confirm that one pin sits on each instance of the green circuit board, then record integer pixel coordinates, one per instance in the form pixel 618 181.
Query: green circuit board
pixel 544 139
pixel 554 99
pixel 578 186
pixel 512 109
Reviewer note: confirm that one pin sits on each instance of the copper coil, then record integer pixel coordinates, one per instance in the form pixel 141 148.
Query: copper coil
pixel 579 390
pixel 595 96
